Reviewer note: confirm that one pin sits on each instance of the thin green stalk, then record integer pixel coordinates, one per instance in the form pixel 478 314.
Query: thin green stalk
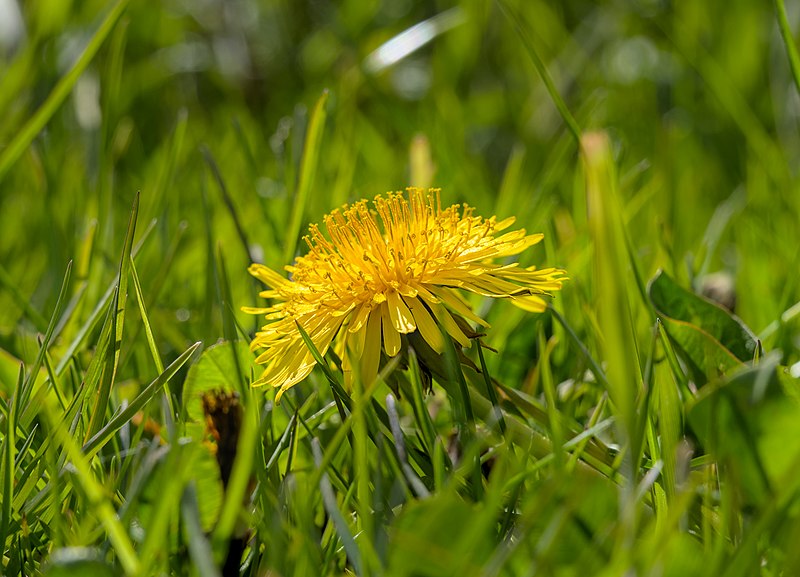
pixel 308 169
pixel 788 41
pixel 525 36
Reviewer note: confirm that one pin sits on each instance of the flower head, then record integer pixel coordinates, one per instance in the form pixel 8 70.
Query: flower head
pixel 386 272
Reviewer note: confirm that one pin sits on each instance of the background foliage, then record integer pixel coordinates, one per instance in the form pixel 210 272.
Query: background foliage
pixel 627 444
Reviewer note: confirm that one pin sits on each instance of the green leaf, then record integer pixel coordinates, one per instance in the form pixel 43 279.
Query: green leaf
pixel 442 535
pixel 751 424
pixel 710 339
pixel 214 371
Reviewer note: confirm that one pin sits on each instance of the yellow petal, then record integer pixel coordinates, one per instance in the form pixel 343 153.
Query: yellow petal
pixel 459 306
pixel 266 275
pixel 446 319
pixel 402 319
pixel 531 303
pixel 359 318
pixel 427 326
pixel 371 355
pixel 391 338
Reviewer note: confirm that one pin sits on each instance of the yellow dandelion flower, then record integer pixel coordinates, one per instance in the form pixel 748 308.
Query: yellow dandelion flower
pixel 372 280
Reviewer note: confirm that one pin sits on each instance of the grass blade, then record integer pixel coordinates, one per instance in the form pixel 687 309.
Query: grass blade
pixel 791 49
pixel 308 169
pixel 117 421
pixel 329 500
pixel 117 317
pixel 8 468
pixel 538 63
pixel 27 388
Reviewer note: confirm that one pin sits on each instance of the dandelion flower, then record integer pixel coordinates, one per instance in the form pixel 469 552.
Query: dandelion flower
pixel 385 271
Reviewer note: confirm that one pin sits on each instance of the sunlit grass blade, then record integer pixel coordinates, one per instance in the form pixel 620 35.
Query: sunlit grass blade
pixel 8 451
pixel 30 380
pixel 397 432
pixel 140 301
pixel 117 318
pixel 553 414
pixel 38 121
pixel 610 274
pixel 420 409
pixel 338 390
pixel 597 370
pixel 308 170
pixel 101 306
pixel 228 318
pixel 788 40
pixel 487 379
pixel 171 480
pixel 119 419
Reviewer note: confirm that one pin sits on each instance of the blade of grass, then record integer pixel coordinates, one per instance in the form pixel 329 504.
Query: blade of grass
pixel 8 449
pixel 30 380
pixel 199 547
pixel 151 343
pixel 397 433
pixel 487 380
pixel 614 318
pixel 119 419
pixel 553 414
pixel 308 170
pixel 526 37
pixel 169 413
pixel 101 306
pixel 228 318
pixel 117 321
pixel 421 413
pixel 329 501
pixel 62 89
pixel 791 49
pixel 227 200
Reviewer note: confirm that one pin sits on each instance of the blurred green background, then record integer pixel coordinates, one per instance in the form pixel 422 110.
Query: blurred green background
pixel 205 107
pixel 697 97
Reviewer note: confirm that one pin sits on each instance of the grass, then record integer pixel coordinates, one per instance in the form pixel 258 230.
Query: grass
pixel 149 153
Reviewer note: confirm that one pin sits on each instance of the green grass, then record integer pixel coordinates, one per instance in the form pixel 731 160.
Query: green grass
pixel 150 152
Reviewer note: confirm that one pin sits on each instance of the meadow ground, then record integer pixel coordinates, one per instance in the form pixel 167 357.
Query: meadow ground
pixel 151 152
